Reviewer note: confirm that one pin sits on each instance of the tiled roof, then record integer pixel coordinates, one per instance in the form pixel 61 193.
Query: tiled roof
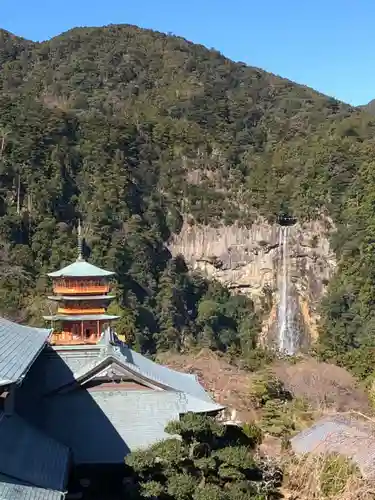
pixel 175 380
pixel 82 361
pixel 19 346
pixel 29 455
pixel 81 268
pixel 62 365
pixel 12 489
pixel 127 420
pixel 342 434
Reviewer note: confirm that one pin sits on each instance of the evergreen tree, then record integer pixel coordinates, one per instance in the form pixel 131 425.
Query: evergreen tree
pixel 209 461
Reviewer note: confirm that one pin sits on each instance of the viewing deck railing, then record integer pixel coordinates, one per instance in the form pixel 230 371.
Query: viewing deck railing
pixel 80 289
pixel 71 310
pixel 67 338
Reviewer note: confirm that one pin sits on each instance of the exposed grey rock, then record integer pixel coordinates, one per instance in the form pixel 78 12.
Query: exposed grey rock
pixel 247 259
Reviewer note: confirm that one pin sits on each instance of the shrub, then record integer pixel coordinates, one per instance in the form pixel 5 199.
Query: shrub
pixel 266 387
pixel 254 433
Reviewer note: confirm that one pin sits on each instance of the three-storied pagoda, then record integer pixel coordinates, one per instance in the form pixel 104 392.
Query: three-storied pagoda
pixel 83 295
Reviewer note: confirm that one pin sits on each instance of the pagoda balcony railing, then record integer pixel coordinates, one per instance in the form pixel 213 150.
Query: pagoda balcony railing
pixel 71 310
pixel 67 338
pixel 80 289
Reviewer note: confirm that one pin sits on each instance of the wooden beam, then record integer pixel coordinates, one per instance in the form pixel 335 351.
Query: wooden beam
pixel 4 392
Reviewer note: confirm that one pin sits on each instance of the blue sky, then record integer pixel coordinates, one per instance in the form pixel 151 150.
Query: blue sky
pixel 328 45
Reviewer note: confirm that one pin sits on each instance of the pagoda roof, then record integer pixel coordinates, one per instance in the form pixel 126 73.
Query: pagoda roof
pixel 81 317
pixel 19 347
pixel 81 269
pixel 73 298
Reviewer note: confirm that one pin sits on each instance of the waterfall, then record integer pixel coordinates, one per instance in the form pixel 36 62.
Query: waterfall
pixel 287 334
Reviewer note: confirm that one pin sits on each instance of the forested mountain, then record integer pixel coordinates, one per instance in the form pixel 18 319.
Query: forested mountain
pixel 132 130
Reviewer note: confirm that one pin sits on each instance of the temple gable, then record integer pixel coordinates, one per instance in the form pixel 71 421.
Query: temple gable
pixel 114 372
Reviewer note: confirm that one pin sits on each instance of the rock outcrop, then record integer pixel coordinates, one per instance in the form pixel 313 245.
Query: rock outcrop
pixel 247 260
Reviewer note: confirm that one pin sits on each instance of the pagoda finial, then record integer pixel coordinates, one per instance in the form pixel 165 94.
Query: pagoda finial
pixel 80 243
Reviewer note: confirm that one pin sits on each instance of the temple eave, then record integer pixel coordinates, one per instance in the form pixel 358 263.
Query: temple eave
pixel 81 317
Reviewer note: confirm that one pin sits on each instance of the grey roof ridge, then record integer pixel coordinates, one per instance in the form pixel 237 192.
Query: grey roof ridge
pixel 134 368
pixel 114 343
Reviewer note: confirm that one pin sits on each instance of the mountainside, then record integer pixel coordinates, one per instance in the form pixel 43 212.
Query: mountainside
pixel 138 132
pixel 369 107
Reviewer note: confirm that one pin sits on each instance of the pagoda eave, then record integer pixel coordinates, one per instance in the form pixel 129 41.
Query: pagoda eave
pixel 59 298
pixel 80 317
pixel 56 274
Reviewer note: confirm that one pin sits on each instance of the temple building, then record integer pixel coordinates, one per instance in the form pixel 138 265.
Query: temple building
pixel 74 399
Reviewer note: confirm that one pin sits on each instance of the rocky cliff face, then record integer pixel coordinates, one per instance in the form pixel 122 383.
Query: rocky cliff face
pixel 248 261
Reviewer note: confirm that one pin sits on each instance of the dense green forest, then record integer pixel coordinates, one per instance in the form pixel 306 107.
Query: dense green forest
pixel 133 130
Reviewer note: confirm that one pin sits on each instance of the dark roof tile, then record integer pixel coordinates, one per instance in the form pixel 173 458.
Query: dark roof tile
pixel 31 456
pixel 19 346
